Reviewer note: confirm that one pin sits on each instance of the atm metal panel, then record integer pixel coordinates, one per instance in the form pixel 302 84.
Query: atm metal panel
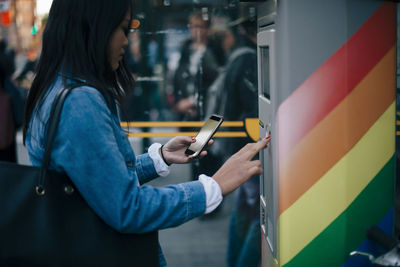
pixel 268 185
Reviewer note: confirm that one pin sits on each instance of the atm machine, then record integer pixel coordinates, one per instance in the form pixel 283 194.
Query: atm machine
pixel 267 109
pixel 327 82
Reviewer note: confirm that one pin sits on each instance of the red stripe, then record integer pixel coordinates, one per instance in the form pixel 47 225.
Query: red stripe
pixel 336 78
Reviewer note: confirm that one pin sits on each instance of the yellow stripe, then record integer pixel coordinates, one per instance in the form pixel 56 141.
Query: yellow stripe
pixel 218 134
pixel 178 124
pixel 336 190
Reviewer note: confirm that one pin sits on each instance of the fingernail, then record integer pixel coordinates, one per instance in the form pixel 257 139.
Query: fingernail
pixel 193 139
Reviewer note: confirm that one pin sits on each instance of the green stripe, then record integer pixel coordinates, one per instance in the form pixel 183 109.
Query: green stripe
pixel 347 232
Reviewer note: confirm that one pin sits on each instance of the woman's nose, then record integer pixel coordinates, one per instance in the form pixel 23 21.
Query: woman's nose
pixel 126 41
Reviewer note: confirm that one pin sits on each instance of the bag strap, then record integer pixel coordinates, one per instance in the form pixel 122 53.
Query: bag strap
pixel 51 133
pixel 217 96
pixel 238 52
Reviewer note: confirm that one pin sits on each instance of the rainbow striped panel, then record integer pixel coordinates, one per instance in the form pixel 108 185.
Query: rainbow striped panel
pixel 336 148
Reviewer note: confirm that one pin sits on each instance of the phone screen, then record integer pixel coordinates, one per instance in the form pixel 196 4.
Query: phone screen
pixel 205 134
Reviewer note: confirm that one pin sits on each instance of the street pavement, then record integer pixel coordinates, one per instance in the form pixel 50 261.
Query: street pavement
pixel 201 241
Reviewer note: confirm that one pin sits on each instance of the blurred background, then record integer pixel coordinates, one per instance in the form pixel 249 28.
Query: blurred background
pixel 176 50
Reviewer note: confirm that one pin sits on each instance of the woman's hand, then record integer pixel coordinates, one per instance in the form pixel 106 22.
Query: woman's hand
pixel 174 150
pixel 240 167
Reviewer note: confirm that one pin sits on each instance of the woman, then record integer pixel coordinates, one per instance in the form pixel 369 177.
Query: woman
pixel 84 43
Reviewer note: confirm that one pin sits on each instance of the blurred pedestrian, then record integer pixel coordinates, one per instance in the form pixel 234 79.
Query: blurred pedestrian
pixel 11 105
pixel 7 124
pixel 241 102
pixel 234 95
pixel 197 69
pixel 25 77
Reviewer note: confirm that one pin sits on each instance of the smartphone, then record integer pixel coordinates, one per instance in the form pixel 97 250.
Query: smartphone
pixel 206 132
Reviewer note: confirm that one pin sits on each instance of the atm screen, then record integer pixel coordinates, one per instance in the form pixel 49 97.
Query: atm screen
pixel 265 83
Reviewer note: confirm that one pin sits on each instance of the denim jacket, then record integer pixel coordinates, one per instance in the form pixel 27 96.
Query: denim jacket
pixel 91 147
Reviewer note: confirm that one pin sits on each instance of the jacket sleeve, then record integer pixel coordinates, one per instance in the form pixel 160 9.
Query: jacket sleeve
pixel 86 149
pixel 145 168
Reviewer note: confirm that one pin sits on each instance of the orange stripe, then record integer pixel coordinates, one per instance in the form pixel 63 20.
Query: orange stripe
pixel 338 132
pixel 336 78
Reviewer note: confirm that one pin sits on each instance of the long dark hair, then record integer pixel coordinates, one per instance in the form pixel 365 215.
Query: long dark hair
pixel 75 41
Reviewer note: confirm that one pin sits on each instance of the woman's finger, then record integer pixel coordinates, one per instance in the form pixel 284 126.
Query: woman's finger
pixel 254 148
pixel 209 144
pixel 182 140
pixel 187 139
pixel 255 168
pixel 254 163
pixel 203 154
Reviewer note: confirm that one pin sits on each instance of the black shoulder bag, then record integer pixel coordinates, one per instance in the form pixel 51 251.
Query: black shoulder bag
pixel 44 221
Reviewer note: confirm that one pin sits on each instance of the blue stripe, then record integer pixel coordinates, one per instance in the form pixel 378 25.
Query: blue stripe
pixel 387 225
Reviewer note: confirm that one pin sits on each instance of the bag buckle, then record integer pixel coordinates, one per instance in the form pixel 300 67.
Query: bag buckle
pixel 40 191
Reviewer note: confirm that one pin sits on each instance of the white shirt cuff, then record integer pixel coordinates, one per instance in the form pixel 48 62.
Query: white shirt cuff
pixel 213 192
pixel 159 164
